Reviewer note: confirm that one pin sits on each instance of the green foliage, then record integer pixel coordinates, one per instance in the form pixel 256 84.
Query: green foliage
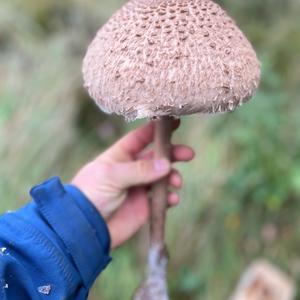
pixel 246 176
pixel 264 146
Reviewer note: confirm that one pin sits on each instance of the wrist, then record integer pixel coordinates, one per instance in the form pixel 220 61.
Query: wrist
pixel 95 184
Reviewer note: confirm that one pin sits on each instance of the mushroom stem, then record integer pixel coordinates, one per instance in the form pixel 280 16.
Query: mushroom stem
pixel 162 147
pixel 154 287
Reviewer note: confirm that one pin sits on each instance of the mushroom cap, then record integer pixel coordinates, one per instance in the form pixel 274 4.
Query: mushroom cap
pixel 158 58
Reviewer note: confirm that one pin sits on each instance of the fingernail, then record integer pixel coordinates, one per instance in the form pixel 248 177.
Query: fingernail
pixel 161 165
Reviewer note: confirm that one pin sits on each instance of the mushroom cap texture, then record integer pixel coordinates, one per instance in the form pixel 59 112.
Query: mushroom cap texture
pixel 158 58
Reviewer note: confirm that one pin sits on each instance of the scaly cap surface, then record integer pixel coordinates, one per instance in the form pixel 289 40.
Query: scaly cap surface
pixel 170 57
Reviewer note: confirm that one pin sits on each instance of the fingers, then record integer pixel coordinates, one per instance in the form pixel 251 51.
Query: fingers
pixel 143 172
pixel 182 153
pixel 175 179
pixel 140 172
pixel 134 212
pixel 173 199
pixel 134 142
pixel 179 153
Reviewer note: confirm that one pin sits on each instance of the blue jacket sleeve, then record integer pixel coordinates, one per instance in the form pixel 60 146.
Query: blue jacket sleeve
pixel 54 247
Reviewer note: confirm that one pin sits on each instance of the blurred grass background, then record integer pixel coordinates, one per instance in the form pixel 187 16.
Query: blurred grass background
pixel 241 198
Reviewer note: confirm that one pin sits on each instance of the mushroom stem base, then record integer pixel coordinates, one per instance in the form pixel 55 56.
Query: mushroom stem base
pixel 154 286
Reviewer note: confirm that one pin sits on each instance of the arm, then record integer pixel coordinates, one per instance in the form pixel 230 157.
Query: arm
pixel 56 244
pixel 59 243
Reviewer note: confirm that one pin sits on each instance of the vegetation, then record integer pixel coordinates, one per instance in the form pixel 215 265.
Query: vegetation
pixel 241 198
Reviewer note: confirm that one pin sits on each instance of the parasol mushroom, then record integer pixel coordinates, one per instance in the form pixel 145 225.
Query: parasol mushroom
pixel 160 59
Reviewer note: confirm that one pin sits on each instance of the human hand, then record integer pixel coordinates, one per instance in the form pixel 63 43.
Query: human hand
pixel 117 182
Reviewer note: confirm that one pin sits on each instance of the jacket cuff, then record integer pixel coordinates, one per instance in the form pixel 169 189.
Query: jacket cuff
pixel 92 215
pixel 78 224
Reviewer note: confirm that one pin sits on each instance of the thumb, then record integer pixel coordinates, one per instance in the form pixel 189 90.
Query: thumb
pixel 140 172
